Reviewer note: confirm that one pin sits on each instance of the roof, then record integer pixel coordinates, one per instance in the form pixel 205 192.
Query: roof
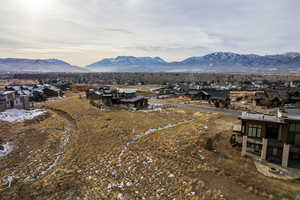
pixel 205 93
pixel 53 88
pixel 280 94
pixel 287 114
pixel 7 92
pixel 107 91
pixel 127 90
pixel 23 92
pixel 14 87
pixel 132 100
pixel 196 91
pixel 40 90
pixel 98 93
pixel 221 94
pixel 259 117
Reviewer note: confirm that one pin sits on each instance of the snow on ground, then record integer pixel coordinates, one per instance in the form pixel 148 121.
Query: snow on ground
pixel 15 115
pixel 7 149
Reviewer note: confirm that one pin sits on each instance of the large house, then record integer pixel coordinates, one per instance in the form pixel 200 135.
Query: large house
pixel 275 139
pixel 20 96
pixel 36 93
pixel 108 97
pixel 10 99
pixel 267 98
pixel 195 94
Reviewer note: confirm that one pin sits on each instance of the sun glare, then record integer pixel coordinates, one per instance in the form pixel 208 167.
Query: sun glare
pixel 36 5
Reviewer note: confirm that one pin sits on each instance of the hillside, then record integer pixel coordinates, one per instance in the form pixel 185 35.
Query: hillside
pixel 37 65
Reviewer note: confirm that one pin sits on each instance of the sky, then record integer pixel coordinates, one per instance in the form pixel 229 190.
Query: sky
pixel 85 31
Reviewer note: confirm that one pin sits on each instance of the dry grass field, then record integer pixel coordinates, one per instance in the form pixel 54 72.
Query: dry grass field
pixel 80 152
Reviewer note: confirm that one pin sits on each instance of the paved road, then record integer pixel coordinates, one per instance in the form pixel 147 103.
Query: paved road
pixel 227 111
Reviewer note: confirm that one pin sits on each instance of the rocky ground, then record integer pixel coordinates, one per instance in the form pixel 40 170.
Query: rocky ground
pixel 81 152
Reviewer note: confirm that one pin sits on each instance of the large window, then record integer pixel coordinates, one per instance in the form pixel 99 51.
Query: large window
pixel 297 139
pixel 254 148
pixel 295 136
pixel 295 128
pixel 254 131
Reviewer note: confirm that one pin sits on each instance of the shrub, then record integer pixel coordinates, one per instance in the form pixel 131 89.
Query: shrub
pixel 209 145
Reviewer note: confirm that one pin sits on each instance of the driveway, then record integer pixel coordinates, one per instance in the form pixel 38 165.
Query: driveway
pixel 226 111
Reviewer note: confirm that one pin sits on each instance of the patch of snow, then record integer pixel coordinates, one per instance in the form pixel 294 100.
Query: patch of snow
pixel 16 115
pixel 120 196
pixel 8 181
pixel 7 149
pixel 171 175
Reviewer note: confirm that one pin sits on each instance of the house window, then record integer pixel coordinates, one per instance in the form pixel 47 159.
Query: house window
pixel 297 139
pixel 254 148
pixel 254 131
pixel 294 128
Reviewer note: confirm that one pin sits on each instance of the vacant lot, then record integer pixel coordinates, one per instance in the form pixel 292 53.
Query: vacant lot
pixel 87 153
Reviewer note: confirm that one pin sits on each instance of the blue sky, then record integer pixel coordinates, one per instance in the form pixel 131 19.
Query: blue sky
pixel 84 31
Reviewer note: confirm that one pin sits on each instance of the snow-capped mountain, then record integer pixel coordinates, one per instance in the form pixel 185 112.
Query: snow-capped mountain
pixel 214 62
pixel 128 63
pixel 130 60
pixel 37 65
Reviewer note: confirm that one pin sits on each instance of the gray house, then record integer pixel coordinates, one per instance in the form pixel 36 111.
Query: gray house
pixel 10 99
pixel 275 139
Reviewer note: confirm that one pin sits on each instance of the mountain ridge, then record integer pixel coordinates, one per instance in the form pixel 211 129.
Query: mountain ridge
pixel 217 61
pixel 213 62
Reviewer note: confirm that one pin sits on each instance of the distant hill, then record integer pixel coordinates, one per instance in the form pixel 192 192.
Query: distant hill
pixel 128 64
pixel 215 62
pixel 36 65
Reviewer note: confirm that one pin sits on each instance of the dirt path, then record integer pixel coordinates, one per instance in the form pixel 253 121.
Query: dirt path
pixel 63 146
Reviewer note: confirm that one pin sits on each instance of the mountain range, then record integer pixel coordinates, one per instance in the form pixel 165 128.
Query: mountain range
pixel 14 65
pixel 214 62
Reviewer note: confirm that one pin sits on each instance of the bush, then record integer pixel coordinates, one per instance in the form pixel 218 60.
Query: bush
pixel 209 145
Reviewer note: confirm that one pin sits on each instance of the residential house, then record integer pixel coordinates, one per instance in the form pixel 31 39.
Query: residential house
pixel 126 93
pixel 245 95
pixel 51 91
pixel 220 98
pixel 138 102
pixel 10 99
pixel 294 96
pixel 271 98
pixel 108 97
pixel 275 139
pixel 195 94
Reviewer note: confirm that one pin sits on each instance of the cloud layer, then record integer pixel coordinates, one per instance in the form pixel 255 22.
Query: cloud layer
pixel 82 32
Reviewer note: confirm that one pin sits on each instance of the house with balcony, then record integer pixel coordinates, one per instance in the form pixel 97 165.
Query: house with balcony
pixel 273 138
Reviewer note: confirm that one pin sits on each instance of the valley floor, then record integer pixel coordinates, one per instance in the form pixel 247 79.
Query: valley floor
pixel 78 151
